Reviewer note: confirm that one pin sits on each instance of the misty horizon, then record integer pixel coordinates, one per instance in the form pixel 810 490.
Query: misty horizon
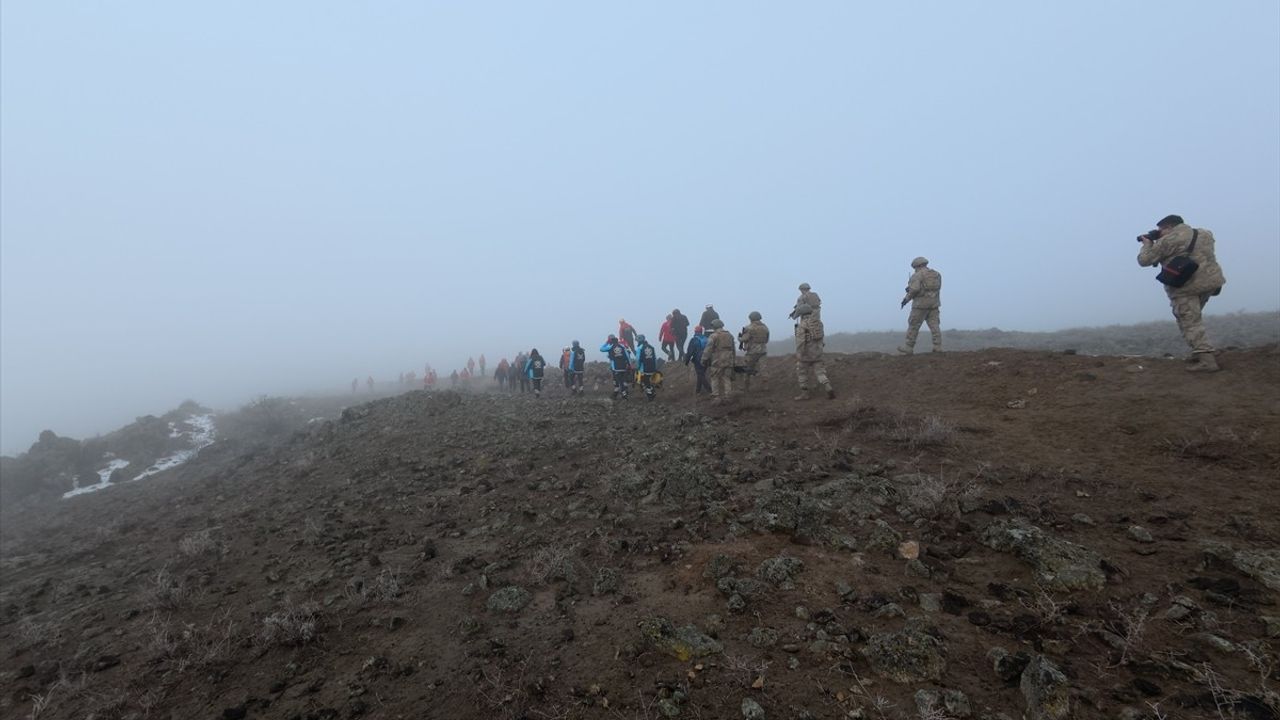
pixel 195 205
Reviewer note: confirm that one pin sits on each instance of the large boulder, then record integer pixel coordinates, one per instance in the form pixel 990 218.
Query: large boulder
pixel 1058 564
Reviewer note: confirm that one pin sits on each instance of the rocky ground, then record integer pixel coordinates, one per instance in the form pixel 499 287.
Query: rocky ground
pixel 997 534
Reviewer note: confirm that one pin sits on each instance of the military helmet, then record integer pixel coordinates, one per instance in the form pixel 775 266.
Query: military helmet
pixel 803 309
pixel 919 262
pixel 717 324
pixel 804 287
pixel 755 315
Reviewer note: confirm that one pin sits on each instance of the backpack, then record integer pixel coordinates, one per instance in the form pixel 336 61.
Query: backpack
pixel 1178 271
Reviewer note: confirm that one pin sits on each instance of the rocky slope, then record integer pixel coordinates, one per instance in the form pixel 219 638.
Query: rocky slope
pixel 993 534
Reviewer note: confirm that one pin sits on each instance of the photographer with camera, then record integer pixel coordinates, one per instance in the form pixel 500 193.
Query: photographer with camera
pixel 1191 275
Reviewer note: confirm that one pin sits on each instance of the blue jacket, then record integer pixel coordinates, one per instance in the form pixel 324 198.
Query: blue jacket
pixel 535 373
pixel 622 361
pixel 694 353
pixel 577 359
pixel 646 359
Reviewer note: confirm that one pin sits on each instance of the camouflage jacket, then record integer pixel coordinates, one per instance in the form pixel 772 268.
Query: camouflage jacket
pixel 810 298
pixel 720 351
pixel 924 288
pixel 1208 279
pixel 754 338
pixel 809 341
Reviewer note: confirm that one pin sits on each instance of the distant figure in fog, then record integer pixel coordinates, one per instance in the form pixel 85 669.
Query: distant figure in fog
pixel 369 383
pixel 535 367
pixel 577 367
pixel 482 365
pixel 513 376
pixel 355 383
pixel 500 373
pixel 521 375
pixel 453 379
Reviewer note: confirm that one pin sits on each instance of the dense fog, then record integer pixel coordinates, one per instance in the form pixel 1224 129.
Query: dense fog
pixel 221 202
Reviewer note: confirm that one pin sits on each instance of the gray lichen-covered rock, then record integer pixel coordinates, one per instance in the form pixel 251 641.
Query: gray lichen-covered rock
pixel 883 537
pixel 762 637
pixel 510 599
pixel 954 702
pixel 608 580
pixel 1261 565
pixel 682 643
pixel 909 655
pixel 751 710
pixel 802 517
pixel 780 570
pixel 1057 563
pixel 1046 690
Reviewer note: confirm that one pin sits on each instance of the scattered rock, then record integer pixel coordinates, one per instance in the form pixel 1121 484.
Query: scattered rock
pixel 751 710
pixel 683 643
pixel 1058 564
pixel 909 550
pixel 1137 533
pixel 1008 667
pixel 1046 690
pixel 511 599
pixel 780 571
pixel 668 708
pixel 909 655
pixel 955 703
pixel 1083 519
pixel 761 637
pixel 608 581
pixel 1261 565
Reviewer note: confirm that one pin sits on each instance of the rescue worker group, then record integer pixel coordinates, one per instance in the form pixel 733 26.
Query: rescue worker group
pixel 1189 272
pixel 633 361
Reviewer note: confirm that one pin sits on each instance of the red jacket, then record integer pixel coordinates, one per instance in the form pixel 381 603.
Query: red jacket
pixel 665 335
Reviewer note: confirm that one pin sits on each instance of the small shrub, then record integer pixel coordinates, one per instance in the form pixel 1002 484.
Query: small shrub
pixel 291 625
pixel 201 544
pixel 167 590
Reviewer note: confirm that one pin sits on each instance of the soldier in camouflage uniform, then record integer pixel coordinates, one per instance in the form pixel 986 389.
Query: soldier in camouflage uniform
pixel 809 347
pixel 1172 238
pixel 810 298
pixel 754 341
pixel 924 290
pixel 719 357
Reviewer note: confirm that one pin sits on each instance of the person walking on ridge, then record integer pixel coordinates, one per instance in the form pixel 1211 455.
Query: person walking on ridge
pixel 924 292
pixel 719 357
pixel 619 365
pixel 754 341
pixel 697 344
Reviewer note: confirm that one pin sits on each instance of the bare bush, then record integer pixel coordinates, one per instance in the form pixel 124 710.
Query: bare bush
pixel 32 634
pixel 554 563
pixel 201 544
pixel 190 646
pixel 1129 625
pixel 291 625
pixel 929 431
pixel 167 591
pixel 387 586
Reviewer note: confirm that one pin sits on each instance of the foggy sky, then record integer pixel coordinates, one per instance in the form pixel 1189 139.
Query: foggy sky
pixel 230 199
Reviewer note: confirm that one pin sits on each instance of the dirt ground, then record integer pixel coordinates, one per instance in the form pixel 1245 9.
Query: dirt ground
pixel 988 534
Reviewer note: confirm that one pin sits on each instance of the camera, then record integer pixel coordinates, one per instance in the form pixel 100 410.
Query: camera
pixel 1152 235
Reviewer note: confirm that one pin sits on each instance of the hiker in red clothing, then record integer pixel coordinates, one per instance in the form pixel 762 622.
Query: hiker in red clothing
pixel 668 339
pixel 627 335
pixel 471 366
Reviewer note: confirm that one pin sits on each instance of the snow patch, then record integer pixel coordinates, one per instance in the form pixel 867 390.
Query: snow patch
pixel 104 479
pixel 199 430
pixel 200 434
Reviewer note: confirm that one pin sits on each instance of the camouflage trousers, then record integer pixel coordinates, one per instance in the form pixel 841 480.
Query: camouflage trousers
pixel 1186 310
pixel 920 316
pixel 819 373
pixel 721 381
pixel 751 367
